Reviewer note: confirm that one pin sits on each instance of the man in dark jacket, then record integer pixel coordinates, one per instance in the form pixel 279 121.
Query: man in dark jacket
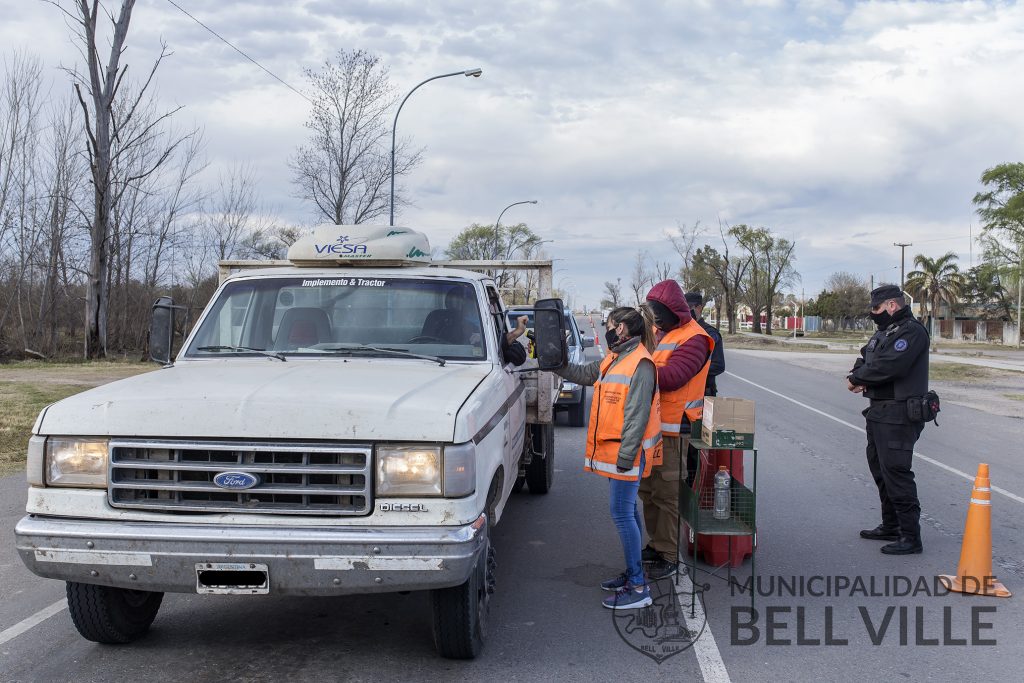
pixel 893 369
pixel 696 303
pixel 660 491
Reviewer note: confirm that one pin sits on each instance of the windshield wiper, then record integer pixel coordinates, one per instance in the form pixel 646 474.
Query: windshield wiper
pixel 384 350
pixel 262 352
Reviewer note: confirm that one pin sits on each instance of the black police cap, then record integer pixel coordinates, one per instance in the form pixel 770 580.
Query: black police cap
pixel 880 295
pixel 694 299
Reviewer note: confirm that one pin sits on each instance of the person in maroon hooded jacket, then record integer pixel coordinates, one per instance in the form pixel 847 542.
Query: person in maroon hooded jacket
pixel 681 357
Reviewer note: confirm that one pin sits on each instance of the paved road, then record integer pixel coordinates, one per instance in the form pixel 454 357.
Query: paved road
pixel 814 494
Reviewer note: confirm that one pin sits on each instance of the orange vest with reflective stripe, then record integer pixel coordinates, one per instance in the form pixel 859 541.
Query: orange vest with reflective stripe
pixel 688 400
pixel 607 417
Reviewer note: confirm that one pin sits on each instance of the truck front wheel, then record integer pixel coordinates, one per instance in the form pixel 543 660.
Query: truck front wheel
pixel 460 612
pixel 111 615
pixel 540 473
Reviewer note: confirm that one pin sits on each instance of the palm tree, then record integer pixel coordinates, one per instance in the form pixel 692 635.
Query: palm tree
pixel 936 281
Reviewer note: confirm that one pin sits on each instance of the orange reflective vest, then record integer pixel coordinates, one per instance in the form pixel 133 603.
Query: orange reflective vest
pixel 688 400
pixel 607 418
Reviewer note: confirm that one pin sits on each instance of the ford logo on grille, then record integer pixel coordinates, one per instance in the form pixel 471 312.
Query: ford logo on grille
pixel 236 481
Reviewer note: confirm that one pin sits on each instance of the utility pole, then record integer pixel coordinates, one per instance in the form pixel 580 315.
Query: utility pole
pixel 903 250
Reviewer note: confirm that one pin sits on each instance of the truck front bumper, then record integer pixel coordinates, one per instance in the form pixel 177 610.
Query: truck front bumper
pixel 297 561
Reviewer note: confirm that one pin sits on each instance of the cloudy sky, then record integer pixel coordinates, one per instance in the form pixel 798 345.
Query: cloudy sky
pixel 845 126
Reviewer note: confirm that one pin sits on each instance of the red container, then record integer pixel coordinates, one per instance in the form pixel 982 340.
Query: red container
pixel 717 551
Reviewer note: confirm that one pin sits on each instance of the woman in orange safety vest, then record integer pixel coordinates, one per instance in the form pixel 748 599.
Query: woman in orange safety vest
pixel 624 437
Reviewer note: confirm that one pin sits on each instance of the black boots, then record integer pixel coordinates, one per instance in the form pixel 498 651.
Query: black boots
pixel 906 545
pixel 881 533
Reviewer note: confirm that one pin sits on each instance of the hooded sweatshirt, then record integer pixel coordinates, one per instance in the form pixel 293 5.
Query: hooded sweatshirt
pixel 687 360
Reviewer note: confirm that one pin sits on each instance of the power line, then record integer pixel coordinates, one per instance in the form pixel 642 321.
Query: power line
pixel 228 43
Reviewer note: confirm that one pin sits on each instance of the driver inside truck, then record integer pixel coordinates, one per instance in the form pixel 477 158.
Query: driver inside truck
pixel 458 322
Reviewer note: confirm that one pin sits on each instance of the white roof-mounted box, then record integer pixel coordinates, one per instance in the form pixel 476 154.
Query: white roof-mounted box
pixel 360 245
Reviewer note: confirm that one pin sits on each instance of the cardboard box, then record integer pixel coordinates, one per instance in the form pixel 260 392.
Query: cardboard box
pixel 728 422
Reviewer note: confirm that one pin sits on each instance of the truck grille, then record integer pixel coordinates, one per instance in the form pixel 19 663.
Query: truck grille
pixel 306 479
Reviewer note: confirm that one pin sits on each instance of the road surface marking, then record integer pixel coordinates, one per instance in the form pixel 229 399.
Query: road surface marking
pixel 952 470
pixel 709 658
pixel 32 621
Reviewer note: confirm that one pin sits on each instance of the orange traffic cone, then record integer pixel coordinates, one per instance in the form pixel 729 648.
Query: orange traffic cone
pixel 974 573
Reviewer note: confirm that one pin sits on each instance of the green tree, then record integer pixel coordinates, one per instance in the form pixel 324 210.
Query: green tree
pixel 511 243
pixel 1001 209
pixel 729 269
pixel 984 288
pixel 771 269
pixel 850 298
pixel 936 281
pixel 702 279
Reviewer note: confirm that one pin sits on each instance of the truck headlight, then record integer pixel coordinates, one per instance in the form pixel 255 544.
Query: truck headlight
pixel 76 462
pixel 409 471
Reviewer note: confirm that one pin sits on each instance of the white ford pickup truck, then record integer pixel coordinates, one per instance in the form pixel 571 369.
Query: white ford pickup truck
pixel 345 423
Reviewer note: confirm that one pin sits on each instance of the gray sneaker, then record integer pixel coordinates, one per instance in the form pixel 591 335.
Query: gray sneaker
pixel 661 569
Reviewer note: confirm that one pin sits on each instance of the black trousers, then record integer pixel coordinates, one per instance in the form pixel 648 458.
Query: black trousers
pixel 890 452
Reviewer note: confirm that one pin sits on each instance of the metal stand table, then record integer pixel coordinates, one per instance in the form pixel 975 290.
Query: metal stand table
pixel 697 507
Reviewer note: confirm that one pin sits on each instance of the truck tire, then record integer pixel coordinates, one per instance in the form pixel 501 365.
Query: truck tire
pixel 540 473
pixel 460 613
pixel 111 615
pixel 578 411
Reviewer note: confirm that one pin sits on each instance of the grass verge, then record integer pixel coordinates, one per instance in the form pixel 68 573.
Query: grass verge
pixel 958 372
pixel 20 403
pixel 26 388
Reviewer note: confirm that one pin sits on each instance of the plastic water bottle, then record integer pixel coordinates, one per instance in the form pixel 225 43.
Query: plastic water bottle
pixel 722 493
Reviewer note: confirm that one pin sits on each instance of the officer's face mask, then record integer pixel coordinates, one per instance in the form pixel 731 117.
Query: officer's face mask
pixel 882 319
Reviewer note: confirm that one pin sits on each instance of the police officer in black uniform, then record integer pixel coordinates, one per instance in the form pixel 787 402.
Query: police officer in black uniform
pixel 893 368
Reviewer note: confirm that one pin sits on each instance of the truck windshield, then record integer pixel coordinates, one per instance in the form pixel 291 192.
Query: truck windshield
pixel 317 316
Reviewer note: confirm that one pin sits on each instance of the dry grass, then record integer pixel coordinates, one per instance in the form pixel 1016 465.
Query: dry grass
pixel 26 388
pixel 1015 397
pixel 766 343
pixel 959 372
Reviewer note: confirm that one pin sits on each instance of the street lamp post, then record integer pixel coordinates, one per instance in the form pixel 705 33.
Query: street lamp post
pixel 394 126
pixel 497 235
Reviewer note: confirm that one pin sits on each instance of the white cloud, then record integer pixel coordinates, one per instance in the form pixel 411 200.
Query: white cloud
pixel 820 119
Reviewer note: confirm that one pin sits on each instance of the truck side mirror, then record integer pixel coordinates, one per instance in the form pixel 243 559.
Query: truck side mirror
pixel 161 330
pixel 588 342
pixel 549 329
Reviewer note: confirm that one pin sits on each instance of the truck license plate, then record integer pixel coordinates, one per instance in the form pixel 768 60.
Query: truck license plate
pixel 232 578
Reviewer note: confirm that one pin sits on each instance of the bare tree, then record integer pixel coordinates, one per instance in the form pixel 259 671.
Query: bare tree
pixel 685 241
pixel 110 136
pixel 641 278
pixel 612 294
pixel 345 169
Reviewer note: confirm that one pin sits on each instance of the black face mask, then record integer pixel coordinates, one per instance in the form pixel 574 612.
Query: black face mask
pixel 611 338
pixel 663 316
pixel 882 320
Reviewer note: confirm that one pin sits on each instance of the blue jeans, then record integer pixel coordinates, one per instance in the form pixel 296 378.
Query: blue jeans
pixel 626 515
